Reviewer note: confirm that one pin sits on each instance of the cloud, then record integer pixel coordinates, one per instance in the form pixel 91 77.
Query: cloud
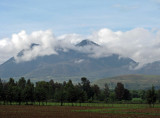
pixel 78 61
pixel 22 41
pixel 141 45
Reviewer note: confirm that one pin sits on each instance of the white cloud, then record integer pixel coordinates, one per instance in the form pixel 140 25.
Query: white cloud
pixel 139 44
pixel 78 61
pixel 20 41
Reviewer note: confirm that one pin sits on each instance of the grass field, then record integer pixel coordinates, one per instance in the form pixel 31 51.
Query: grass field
pixel 90 110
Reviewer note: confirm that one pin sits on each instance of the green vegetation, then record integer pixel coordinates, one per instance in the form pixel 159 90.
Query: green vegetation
pixel 42 92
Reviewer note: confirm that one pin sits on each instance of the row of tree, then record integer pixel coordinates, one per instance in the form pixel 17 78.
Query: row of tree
pixel 42 92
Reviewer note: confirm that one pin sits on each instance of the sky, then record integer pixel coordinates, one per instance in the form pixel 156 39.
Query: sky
pixel 104 21
pixel 77 16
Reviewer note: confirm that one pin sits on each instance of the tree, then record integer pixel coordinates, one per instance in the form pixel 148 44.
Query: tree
pixel 85 83
pixel 119 91
pixel 96 91
pixel 11 82
pixel 17 94
pixel 29 92
pixel 106 92
pixel 60 95
pixel 112 97
pixel 1 90
pixel 71 93
pixel 127 95
pixel 51 90
pixel 151 96
pixel 142 94
pixel 41 91
pixel 5 92
pixel 82 96
pixel 10 91
pixel 22 83
pixel 158 95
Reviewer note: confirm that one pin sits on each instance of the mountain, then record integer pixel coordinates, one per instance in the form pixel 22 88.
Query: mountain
pixel 86 42
pixel 71 64
pixel 131 82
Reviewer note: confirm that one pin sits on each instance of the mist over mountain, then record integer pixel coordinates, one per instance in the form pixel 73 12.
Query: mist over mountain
pixel 73 64
pixel 66 64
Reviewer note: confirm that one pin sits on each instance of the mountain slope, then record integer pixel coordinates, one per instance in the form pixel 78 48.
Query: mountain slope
pixel 70 64
pixel 132 82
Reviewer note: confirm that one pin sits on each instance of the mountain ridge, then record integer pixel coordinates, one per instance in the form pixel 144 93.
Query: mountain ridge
pixel 73 64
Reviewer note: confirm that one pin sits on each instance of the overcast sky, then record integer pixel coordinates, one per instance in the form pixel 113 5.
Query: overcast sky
pixel 77 19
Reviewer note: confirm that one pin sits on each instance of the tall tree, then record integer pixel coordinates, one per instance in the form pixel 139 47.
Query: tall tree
pixel 1 90
pixel 96 91
pixel 127 95
pixel 151 96
pixel 5 92
pixel 87 87
pixel 81 95
pixel 51 90
pixel 10 91
pixel 158 95
pixel 60 95
pixel 71 93
pixel 22 83
pixel 106 92
pixel 29 92
pixel 119 90
pixel 41 91
pixel 112 97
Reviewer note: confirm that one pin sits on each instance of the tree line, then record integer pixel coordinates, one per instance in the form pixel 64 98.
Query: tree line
pixel 26 92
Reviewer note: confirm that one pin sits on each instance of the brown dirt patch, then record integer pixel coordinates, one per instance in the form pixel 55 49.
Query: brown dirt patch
pixel 14 111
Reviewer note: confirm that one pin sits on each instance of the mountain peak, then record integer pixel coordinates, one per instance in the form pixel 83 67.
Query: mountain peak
pixel 21 53
pixel 86 42
pixel 33 45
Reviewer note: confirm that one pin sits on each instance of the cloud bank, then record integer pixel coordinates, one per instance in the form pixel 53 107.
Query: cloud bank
pixel 141 45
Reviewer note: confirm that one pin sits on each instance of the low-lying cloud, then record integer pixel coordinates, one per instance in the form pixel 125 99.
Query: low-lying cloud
pixel 141 45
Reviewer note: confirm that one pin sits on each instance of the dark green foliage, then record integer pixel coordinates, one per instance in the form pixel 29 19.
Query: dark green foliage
pixel 142 94
pixel 22 83
pixel 151 96
pixel 1 89
pixel 106 92
pixel 119 91
pixel 51 89
pixel 70 92
pixel 158 95
pixel 60 95
pixel 25 92
pixel 112 97
pixel 85 83
pixel 41 91
pixel 127 95
pixel 29 92
pixel 81 95
pixel 96 91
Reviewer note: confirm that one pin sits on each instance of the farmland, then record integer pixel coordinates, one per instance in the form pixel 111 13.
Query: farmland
pixel 90 110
